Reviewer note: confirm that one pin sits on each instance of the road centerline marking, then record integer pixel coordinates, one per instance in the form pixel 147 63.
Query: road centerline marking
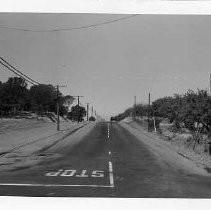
pixel 111 177
pixel 108 130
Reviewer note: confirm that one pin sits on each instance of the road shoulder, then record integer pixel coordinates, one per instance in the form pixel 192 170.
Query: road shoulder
pixel 30 153
pixel 165 152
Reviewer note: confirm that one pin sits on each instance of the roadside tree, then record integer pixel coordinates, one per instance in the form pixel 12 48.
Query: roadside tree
pixel 77 113
pixel 13 96
pixel 43 98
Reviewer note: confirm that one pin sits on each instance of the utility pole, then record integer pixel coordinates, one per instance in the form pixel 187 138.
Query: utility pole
pixel 57 105
pixel 78 105
pixel 96 116
pixel 210 84
pixel 87 111
pixel 148 111
pixel 134 114
pixel 92 111
pixel 78 99
pixel 209 134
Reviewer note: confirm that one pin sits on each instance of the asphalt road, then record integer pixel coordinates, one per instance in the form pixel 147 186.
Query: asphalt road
pixel 106 162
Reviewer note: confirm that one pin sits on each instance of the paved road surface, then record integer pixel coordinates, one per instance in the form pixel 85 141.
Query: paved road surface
pixel 107 162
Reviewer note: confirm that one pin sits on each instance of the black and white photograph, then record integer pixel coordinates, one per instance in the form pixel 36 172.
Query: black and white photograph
pixel 99 105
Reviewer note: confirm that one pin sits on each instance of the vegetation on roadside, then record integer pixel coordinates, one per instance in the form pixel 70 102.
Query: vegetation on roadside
pixel 17 97
pixel 190 111
pixel 77 113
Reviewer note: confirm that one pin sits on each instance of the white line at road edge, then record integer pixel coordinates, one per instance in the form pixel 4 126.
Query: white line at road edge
pixel 52 185
pixel 111 177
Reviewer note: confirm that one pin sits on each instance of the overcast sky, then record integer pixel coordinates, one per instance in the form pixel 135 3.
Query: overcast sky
pixel 109 64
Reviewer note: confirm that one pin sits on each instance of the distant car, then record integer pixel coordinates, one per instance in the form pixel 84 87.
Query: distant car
pixel 112 119
pixel 92 118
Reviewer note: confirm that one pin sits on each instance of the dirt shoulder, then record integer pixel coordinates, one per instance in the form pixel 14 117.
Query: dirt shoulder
pixel 167 153
pixel 15 132
pixel 25 147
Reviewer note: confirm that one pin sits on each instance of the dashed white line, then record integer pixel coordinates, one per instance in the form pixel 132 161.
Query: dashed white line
pixel 111 177
pixel 108 131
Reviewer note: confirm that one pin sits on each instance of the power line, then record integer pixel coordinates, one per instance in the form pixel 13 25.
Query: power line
pixel 16 73
pixel 19 72
pixel 12 69
pixel 69 29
